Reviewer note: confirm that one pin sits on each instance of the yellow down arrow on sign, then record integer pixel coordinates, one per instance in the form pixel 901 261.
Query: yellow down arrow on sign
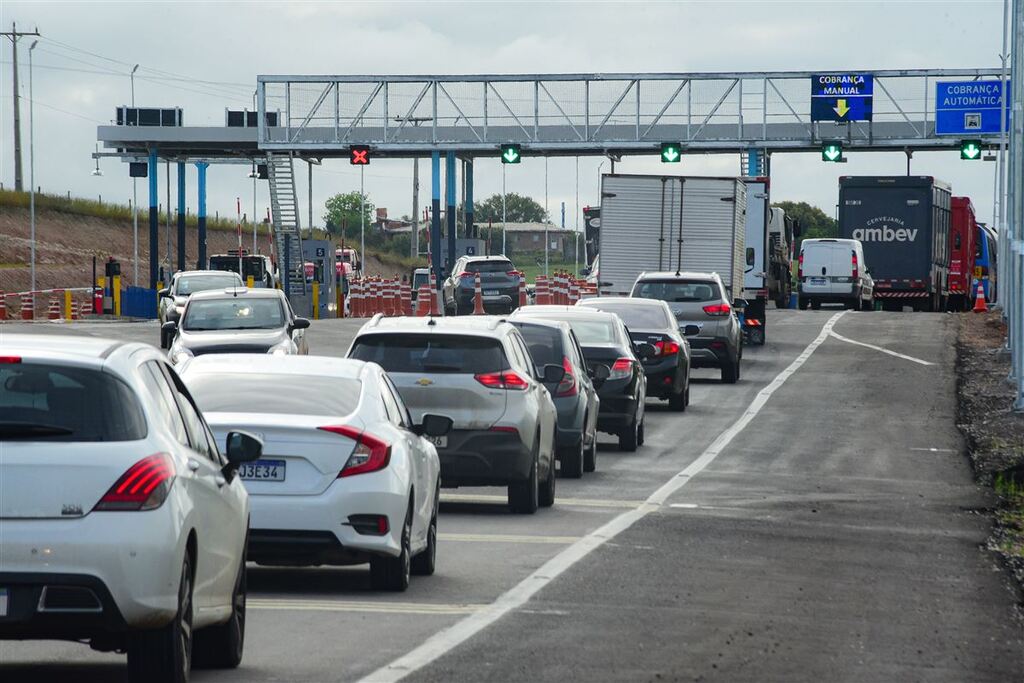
pixel 841 109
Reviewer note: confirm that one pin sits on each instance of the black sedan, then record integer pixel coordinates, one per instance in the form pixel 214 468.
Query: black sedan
pixel 651 321
pixel 605 340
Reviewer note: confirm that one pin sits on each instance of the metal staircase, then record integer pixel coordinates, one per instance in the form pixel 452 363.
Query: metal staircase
pixel 285 208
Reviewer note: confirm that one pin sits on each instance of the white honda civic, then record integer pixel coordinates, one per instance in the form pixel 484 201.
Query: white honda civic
pixel 346 477
pixel 121 523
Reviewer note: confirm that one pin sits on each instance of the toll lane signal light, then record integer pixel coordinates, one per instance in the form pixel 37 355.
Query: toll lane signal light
pixel 511 154
pixel 833 152
pixel 359 155
pixel 671 153
pixel 970 150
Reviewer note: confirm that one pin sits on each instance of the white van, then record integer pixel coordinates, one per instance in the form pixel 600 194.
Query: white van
pixel 833 271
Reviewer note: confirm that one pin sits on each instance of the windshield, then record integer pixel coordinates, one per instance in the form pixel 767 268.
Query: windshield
pixel 234 313
pixel 419 279
pixel 57 403
pixel 200 283
pixel 429 353
pixel 247 392
pixel 251 265
pixel 677 290
pixel 593 331
pixel 637 317
pixel 489 267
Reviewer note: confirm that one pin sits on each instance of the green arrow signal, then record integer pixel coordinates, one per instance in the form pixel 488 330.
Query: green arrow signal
pixel 970 150
pixel 670 153
pixel 510 154
pixel 832 152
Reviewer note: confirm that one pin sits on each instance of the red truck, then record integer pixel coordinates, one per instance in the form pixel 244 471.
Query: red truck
pixel 963 233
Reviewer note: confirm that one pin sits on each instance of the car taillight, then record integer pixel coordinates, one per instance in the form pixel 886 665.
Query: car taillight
pixel 567 387
pixel 143 487
pixel 370 455
pixel 506 379
pixel 9 359
pixel 466 275
pixel 718 309
pixel 621 369
pixel 853 263
pixel 666 348
pixel 800 267
pixel 512 273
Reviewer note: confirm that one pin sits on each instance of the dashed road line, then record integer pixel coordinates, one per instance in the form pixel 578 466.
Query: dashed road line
pixel 490 499
pixel 449 638
pixel 508 538
pixel 293 605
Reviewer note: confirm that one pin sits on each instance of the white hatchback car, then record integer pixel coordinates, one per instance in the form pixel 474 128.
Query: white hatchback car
pixel 346 478
pixel 121 523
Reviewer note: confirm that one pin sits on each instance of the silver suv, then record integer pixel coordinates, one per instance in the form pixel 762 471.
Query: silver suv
pixel 477 371
pixel 700 299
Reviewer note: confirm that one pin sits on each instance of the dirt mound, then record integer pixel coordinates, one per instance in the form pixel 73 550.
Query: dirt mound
pixel 66 244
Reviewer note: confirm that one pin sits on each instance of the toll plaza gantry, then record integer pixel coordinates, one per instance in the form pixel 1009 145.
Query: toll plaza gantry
pixel 467 116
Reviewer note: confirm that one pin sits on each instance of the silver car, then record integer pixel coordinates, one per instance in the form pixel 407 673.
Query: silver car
pixel 700 299
pixel 477 371
pixel 184 284
pixel 237 321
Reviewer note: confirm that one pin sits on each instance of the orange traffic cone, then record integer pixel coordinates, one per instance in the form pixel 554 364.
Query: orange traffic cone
pixel 478 296
pixel 522 290
pixel 980 306
pixel 423 300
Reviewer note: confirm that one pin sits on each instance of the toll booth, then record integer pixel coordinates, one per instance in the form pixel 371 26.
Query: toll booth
pixel 466 247
pixel 323 302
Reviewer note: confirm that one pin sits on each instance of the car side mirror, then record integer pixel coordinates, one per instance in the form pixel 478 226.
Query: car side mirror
pixel 433 425
pixel 644 350
pixel 740 303
pixel 164 293
pixel 553 374
pixel 300 324
pixel 599 372
pixel 691 330
pixel 242 447
pixel 170 326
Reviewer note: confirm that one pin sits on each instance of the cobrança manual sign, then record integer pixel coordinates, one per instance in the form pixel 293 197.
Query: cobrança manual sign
pixel 842 97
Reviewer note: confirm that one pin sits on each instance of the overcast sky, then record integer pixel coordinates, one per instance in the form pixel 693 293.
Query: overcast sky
pixel 183 46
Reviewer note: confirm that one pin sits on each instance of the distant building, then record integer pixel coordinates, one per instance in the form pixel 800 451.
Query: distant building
pixel 523 238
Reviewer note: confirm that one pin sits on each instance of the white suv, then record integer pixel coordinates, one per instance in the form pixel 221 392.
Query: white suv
pixel 121 523
pixel 477 371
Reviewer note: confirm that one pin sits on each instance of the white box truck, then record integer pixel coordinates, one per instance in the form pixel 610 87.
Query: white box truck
pixel 670 223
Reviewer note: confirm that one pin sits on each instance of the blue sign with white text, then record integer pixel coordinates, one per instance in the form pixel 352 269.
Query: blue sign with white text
pixel 842 97
pixel 970 107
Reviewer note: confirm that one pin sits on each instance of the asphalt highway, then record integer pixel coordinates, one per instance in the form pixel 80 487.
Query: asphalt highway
pixel 816 521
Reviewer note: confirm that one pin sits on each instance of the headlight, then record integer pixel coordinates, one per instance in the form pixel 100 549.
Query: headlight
pixel 180 356
pixel 285 348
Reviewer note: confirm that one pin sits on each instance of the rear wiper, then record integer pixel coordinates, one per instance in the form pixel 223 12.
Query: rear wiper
pixel 27 429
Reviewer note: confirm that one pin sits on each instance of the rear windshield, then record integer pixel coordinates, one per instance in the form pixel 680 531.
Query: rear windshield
pixel 594 331
pixel 202 283
pixel 431 353
pixel 419 279
pixel 251 265
pixel 545 343
pixel 489 267
pixel 677 290
pixel 44 402
pixel 252 392
pixel 235 313
pixel 638 317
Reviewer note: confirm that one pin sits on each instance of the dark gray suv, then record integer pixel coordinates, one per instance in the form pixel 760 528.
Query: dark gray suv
pixel 700 299
pixel 499 283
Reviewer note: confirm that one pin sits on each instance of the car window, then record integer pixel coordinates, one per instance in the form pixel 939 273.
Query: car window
pixel 202 283
pixel 576 353
pixel 257 392
pixel 677 291
pixel 431 353
pixel 525 361
pixel 53 402
pixel 402 409
pixel 594 331
pixel 168 409
pixel 390 407
pixel 489 266
pixel 636 316
pixel 194 425
pixel 544 343
pixel 234 313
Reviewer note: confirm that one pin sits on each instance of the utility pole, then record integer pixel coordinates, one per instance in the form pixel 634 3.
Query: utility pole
pixel 414 234
pixel 14 34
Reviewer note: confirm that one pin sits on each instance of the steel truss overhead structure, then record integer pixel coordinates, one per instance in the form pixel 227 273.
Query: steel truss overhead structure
pixel 578 114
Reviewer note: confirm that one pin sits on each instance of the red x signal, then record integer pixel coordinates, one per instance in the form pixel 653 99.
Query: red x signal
pixel 359 156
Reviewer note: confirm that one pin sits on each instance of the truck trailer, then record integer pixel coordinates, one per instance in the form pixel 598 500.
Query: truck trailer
pixel 768 252
pixel 904 224
pixel 963 234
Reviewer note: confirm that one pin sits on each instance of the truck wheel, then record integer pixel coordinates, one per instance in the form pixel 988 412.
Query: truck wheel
pixel 853 304
pixel 867 305
pixel 815 305
pixel 802 303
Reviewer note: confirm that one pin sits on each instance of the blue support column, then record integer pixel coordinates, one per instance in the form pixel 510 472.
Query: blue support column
pixel 468 199
pixel 450 184
pixel 181 215
pixel 435 215
pixel 201 215
pixel 154 220
pixel 754 166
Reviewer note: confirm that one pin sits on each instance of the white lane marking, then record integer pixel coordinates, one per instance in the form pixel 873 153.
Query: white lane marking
pixel 292 605
pixel 685 506
pixel 879 348
pixel 447 639
pixel 934 450
pixel 488 499
pixel 508 538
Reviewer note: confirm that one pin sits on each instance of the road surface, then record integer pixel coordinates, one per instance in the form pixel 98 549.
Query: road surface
pixel 816 521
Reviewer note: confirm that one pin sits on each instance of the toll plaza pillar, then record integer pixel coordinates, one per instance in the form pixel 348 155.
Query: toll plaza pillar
pixel 181 215
pixel 450 184
pixel 154 220
pixel 467 200
pixel 201 167
pixel 435 216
